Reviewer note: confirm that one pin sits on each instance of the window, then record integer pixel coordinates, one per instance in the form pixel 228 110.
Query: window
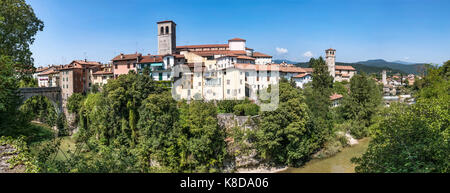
pixel 162 30
pixel 167 29
pixel 199 84
pixel 134 65
pixel 228 91
pixel 228 82
pixel 115 66
pixel 128 65
pixel 241 81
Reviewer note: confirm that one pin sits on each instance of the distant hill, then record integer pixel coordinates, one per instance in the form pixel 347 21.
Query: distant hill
pixel 359 67
pixel 398 65
pixel 372 66
pixel 279 61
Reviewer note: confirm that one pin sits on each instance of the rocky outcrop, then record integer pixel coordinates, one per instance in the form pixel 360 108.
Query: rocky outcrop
pixel 244 156
pixel 6 153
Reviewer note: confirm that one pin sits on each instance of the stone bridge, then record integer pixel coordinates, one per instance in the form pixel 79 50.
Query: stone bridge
pixel 52 93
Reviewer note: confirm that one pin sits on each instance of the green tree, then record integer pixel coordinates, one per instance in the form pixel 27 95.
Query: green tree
pixel 286 135
pixel 413 138
pixel 157 132
pixel 361 103
pixel 18 26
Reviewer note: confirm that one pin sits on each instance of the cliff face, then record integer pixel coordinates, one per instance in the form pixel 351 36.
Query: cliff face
pixel 242 154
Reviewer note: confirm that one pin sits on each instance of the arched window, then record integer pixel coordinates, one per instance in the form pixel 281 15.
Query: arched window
pixel 167 29
pixel 162 30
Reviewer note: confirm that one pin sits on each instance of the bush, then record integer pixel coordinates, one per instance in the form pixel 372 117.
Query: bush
pixel 358 129
pixel 227 106
pixel 246 109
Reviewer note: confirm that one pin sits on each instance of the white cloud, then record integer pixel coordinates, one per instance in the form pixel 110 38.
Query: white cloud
pixel 406 58
pixel 281 50
pixel 308 54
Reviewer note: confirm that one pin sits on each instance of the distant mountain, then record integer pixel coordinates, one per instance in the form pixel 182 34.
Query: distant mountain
pixel 279 61
pixel 407 68
pixel 359 67
pixel 403 62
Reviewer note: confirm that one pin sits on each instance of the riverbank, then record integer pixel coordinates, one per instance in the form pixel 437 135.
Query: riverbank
pixel 339 163
pixel 262 169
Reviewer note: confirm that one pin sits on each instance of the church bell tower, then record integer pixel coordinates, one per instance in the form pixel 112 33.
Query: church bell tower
pixel 331 61
pixel 166 37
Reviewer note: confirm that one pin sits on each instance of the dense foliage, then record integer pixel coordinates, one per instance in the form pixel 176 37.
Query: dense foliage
pixel 286 135
pixel 361 104
pixel 413 138
pixel 18 26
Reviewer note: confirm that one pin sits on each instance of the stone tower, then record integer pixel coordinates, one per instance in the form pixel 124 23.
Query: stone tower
pixel 331 61
pixel 383 75
pixel 166 37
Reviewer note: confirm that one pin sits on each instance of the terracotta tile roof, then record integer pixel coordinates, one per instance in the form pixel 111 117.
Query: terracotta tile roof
pixel 51 71
pixel 260 55
pixel 335 96
pixel 245 58
pixel 151 59
pixel 292 69
pixel 345 68
pixel 42 69
pixel 84 62
pixel 204 46
pixel 101 72
pixel 122 57
pixel 302 75
pixel 257 67
pixel 237 39
pixel 331 49
pixel 309 70
pixel 220 52
pixel 167 21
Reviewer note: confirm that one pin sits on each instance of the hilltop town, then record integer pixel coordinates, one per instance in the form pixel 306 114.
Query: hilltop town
pixel 230 71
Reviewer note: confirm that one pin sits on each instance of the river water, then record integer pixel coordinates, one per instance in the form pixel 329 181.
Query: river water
pixel 339 163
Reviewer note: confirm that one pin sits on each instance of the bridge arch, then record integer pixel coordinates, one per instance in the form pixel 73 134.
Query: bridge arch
pixel 52 93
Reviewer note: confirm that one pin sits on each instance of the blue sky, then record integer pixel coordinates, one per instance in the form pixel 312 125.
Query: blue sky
pixel 408 30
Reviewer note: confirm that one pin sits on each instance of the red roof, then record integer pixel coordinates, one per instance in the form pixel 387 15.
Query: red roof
pixel 309 70
pixel 220 52
pixel 167 21
pixel 245 58
pixel 101 72
pixel 257 67
pixel 122 57
pixel 51 71
pixel 260 55
pixel 84 62
pixel 237 39
pixel 345 68
pixel 151 59
pixel 301 75
pixel 292 69
pixel 331 49
pixel 335 96
pixel 204 46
